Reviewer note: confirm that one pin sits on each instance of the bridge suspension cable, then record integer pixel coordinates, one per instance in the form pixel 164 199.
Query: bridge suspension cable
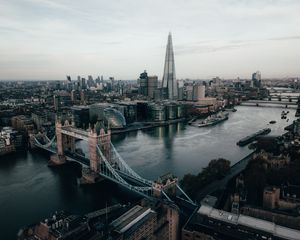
pixel 112 174
pixel 124 167
pixel 46 145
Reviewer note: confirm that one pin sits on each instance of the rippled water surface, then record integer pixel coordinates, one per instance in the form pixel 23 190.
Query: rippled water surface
pixel 30 191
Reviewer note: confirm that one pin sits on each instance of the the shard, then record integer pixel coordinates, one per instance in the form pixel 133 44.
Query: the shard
pixel 169 78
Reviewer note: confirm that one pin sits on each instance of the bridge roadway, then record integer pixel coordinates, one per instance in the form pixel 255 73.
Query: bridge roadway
pixel 271 102
pixel 285 97
pixel 278 104
pixel 86 162
pixel 221 183
pixel 75 132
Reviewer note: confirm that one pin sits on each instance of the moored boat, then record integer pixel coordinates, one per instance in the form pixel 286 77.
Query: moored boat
pixel 213 120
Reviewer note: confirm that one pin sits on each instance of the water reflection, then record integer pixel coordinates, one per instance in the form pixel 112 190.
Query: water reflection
pixel 29 190
pixel 180 148
pixel 8 162
pixel 169 131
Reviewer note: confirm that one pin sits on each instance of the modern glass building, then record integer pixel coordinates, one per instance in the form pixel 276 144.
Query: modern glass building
pixel 169 77
pixel 129 110
pixel 156 112
pixel 109 114
pixel 172 111
pixel 114 118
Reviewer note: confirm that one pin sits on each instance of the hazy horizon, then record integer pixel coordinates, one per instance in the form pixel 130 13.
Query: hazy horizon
pixel 49 39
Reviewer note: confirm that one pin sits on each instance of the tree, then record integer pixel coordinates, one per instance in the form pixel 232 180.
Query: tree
pixel 216 169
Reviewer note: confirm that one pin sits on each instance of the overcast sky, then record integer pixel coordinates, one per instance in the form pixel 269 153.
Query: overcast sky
pixel 49 39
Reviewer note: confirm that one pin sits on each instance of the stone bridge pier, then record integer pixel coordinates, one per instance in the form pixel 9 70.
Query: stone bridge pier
pixel 65 139
pixel 62 141
pixel 103 141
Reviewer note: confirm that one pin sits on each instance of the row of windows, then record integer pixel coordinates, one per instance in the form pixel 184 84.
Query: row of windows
pixel 240 229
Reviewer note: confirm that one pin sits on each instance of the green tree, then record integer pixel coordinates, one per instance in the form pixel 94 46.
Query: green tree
pixel 216 169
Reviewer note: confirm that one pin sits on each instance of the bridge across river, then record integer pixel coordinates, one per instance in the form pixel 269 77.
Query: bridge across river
pixel 104 162
pixel 267 103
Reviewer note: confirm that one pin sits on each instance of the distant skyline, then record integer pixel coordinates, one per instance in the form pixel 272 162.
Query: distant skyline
pixel 49 39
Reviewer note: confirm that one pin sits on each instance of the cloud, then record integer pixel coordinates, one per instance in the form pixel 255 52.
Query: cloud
pixel 285 38
pixel 207 48
pixel 215 46
pixel 136 32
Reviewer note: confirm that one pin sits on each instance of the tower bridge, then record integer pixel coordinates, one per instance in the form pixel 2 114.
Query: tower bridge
pixel 103 161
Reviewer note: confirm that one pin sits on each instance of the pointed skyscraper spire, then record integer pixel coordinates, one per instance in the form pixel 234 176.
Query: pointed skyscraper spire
pixel 169 77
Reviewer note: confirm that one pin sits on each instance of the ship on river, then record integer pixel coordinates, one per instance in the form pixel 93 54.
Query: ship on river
pixel 213 120
pixel 246 140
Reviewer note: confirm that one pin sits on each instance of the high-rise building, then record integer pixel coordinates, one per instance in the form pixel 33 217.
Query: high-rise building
pixel 169 77
pixel 83 83
pixel 152 85
pixel 90 81
pixel 198 92
pixel 147 84
pixel 98 80
pixel 112 81
pixel 189 92
pixel 256 79
pixel 143 83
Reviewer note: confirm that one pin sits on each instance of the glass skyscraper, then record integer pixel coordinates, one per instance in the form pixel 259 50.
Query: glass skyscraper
pixel 169 78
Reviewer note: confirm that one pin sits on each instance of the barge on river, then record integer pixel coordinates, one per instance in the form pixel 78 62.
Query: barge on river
pixel 246 140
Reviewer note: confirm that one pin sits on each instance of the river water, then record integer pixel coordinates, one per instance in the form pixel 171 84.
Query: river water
pixel 31 191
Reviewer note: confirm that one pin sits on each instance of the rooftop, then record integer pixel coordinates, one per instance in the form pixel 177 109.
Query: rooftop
pixel 79 107
pixel 130 218
pixel 251 222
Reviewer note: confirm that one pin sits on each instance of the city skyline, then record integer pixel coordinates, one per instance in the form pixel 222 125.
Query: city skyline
pixel 47 39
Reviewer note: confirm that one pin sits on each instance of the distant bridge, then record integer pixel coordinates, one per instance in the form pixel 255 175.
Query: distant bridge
pixel 104 161
pixel 270 103
pixel 283 90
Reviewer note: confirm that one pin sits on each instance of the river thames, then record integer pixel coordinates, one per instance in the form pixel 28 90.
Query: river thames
pixel 31 191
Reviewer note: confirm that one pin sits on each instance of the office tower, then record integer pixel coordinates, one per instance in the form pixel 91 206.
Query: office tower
pixel 79 82
pixel 189 92
pixel 180 93
pixel 56 102
pixel 143 83
pixel 152 85
pixel 83 83
pixel 112 83
pixel 68 84
pixel 90 81
pixel 98 80
pixel 169 77
pixel 256 79
pixel 180 90
pixel 198 92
